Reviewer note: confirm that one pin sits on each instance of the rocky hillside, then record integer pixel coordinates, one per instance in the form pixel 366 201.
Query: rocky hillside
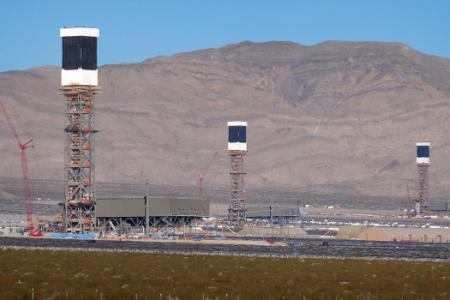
pixel 337 117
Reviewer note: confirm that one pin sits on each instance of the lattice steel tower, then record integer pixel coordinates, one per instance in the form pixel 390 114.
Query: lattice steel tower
pixel 423 161
pixel 237 148
pixel 79 80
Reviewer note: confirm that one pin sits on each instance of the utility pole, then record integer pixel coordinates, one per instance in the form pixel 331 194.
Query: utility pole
pixel 271 215
pixel 146 210
pixel 270 194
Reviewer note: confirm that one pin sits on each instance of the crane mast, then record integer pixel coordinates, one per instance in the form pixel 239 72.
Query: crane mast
pixel 25 171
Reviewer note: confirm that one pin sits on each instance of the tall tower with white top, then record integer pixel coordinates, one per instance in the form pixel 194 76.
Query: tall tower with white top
pixel 237 148
pixel 79 84
pixel 423 162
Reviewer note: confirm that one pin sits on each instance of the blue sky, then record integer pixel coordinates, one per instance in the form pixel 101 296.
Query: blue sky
pixel 132 31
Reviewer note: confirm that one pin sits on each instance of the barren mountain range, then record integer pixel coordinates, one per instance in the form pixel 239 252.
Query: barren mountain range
pixel 333 118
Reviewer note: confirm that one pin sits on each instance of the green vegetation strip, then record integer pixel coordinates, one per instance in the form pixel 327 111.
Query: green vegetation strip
pixel 132 275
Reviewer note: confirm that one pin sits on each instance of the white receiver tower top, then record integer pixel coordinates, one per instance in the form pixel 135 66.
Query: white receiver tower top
pixel 79 56
pixel 237 136
pixel 423 153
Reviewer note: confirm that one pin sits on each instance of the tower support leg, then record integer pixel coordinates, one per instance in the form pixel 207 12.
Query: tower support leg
pixel 79 164
pixel 237 211
pixel 423 189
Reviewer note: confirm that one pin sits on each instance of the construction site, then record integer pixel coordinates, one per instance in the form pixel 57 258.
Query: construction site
pixel 82 212
pixel 228 150
pixel 146 215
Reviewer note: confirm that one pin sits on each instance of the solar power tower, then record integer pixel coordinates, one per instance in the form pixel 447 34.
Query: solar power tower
pixel 423 162
pixel 237 148
pixel 79 84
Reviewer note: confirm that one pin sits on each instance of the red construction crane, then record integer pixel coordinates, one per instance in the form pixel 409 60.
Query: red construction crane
pixel 26 181
pixel 202 176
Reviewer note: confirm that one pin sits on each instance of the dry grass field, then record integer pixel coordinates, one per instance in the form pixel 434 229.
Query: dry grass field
pixel 132 275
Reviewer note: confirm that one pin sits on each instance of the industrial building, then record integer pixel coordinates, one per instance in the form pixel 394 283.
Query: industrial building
pixel 274 214
pixel 160 211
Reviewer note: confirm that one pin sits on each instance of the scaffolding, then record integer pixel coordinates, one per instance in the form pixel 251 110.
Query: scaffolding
pixel 423 189
pixel 236 211
pixel 79 165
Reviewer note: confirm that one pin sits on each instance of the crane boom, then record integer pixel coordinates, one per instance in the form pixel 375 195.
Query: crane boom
pixel 11 126
pixel 25 171
pixel 202 176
